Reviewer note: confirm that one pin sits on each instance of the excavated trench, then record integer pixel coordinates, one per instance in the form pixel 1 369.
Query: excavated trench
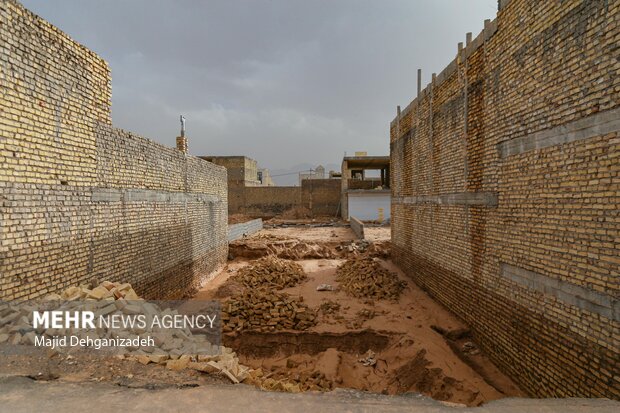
pixel 251 344
pixel 365 343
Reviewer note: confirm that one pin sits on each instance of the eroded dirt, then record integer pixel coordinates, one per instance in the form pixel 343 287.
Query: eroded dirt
pixel 384 346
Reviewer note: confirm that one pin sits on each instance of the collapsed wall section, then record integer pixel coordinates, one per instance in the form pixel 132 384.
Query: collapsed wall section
pixel 80 199
pixel 505 193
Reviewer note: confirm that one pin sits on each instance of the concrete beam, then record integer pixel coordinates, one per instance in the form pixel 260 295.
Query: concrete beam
pixel 149 195
pixel 419 82
pixel 598 124
pixel 458 198
pixel 238 231
pixel 358 227
pixel 569 293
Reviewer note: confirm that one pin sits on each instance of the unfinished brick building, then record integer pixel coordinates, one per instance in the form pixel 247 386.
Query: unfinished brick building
pixel 506 192
pixel 80 199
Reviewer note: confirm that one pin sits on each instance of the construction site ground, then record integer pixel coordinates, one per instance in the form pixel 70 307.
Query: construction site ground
pixel 21 395
pixel 351 353
pixel 414 344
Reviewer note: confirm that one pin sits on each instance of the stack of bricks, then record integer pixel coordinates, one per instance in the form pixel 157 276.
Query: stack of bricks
pixel 505 193
pixel 182 144
pixel 80 199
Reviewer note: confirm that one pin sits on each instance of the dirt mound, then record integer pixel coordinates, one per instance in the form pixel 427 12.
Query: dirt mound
pixel 286 248
pixel 366 278
pixel 415 375
pixel 365 360
pixel 261 310
pixel 271 272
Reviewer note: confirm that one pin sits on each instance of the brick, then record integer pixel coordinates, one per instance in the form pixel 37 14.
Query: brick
pixel 507 161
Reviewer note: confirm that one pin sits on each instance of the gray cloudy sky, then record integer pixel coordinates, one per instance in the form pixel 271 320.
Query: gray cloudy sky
pixel 282 81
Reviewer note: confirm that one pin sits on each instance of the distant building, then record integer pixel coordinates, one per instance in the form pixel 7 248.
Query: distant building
pixel 364 197
pixel 316 173
pixel 264 177
pixel 242 171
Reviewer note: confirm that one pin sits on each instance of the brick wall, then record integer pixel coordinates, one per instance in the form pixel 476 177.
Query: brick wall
pixel 80 199
pixel 319 197
pixel 264 202
pixel 506 193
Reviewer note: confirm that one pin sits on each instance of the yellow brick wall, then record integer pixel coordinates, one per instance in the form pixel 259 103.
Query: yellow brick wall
pixel 58 157
pixel 506 192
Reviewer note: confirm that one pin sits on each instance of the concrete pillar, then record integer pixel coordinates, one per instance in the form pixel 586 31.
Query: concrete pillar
pixel 397 121
pixel 419 82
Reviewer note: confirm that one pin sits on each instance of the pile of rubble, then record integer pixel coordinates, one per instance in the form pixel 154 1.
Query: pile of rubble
pixel 271 272
pixel 365 248
pixel 261 310
pixel 176 348
pixel 356 246
pixel 366 278
pixel 107 291
pixel 328 307
pixel 305 381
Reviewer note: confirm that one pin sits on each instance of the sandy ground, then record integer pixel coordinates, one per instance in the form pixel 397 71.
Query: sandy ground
pixel 415 344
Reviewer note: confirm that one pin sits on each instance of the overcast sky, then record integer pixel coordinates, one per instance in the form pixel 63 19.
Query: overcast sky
pixel 281 81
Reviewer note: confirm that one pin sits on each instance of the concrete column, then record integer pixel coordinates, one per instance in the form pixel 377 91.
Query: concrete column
pixel 397 121
pixel 419 82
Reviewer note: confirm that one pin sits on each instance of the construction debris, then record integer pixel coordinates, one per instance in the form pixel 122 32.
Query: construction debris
pixel 366 278
pixel 261 310
pixel 325 287
pixel 369 359
pixel 271 272
pixel 470 348
pixel 329 307
pixel 176 348
pixel 305 381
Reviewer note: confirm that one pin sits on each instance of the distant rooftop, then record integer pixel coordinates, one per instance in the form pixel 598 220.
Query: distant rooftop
pixel 367 162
